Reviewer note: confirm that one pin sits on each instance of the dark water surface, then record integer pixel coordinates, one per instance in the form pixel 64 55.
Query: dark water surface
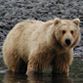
pixel 76 76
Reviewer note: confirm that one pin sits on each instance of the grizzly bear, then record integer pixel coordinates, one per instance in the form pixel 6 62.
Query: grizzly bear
pixel 41 45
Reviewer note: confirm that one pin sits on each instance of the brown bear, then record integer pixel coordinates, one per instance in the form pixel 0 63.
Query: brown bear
pixel 41 45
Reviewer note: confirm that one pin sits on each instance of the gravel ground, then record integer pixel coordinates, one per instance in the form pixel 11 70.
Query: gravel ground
pixel 13 11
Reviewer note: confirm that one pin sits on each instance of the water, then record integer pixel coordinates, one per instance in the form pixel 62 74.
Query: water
pixel 76 76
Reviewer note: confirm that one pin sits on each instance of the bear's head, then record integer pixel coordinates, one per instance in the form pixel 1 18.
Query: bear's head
pixel 67 32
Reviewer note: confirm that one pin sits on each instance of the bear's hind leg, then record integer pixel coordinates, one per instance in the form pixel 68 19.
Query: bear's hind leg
pixel 21 67
pixel 12 60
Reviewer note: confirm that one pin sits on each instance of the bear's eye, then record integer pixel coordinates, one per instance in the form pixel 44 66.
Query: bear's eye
pixel 63 32
pixel 72 32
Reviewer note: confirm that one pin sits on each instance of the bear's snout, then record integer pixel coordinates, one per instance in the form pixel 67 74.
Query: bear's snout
pixel 67 42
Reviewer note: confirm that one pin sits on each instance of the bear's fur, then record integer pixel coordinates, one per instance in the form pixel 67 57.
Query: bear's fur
pixel 41 44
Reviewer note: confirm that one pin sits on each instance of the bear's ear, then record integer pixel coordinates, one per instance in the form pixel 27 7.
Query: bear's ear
pixel 57 21
pixel 52 22
pixel 76 21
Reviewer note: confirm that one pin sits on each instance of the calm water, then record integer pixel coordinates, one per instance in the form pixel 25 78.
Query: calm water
pixel 76 76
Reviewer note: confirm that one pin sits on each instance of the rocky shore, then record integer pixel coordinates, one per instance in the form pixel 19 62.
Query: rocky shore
pixel 14 11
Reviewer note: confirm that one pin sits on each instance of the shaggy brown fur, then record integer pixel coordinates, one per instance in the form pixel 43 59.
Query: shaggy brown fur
pixel 41 44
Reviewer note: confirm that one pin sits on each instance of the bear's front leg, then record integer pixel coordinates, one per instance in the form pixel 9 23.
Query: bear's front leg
pixel 60 69
pixel 61 63
pixel 33 67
